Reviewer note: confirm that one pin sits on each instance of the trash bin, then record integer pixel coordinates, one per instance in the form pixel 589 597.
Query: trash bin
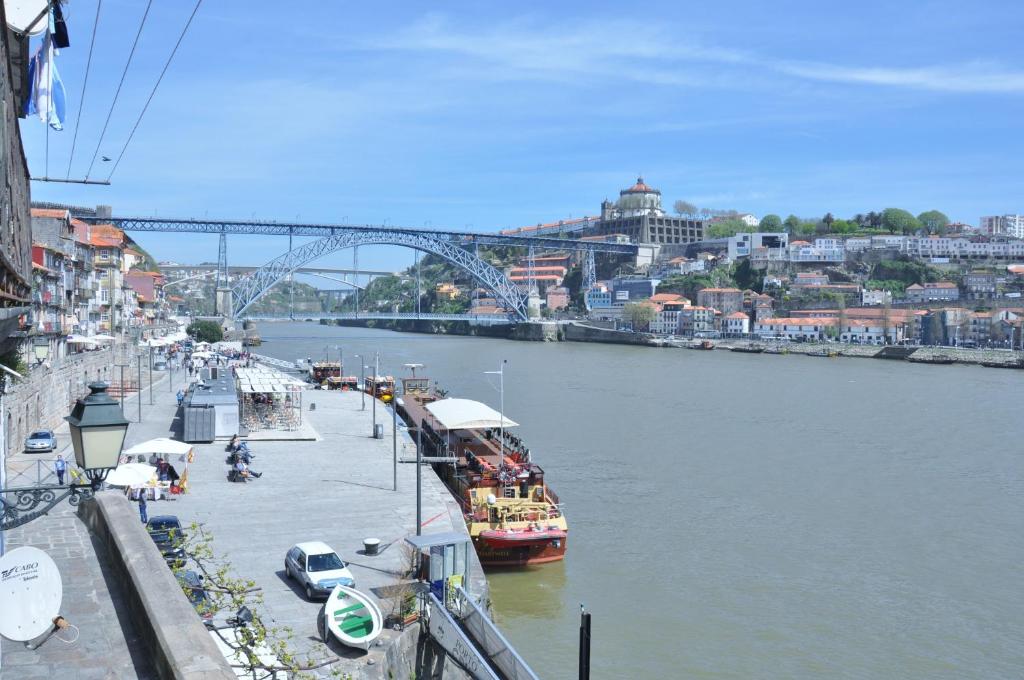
pixel 371 546
pixel 378 431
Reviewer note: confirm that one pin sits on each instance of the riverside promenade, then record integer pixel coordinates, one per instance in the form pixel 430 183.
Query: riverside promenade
pixel 336 489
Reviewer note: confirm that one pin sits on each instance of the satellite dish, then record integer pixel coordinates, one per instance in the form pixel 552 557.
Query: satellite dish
pixel 30 593
pixel 21 13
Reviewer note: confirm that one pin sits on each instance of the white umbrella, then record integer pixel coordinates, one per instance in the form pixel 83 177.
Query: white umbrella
pixel 131 474
pixel 161 446
pixel 79 340
pixel 103 338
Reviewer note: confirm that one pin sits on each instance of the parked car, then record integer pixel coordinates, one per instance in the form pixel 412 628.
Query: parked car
pixel 317 568
pixel 166 532
pixel 40 441
pixel 195 591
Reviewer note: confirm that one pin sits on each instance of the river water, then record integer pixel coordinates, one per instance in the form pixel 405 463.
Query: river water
pixel 751 516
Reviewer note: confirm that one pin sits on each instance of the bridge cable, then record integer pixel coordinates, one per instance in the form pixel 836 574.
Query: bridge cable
pixel 119 86
pixel 85 84
pixel 158 81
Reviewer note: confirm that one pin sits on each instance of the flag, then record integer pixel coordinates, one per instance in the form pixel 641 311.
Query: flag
pixel 46 96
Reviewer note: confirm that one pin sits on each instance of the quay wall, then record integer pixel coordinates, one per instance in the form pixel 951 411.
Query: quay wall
pixel 585 332
pixel 48 393
pixel 179 645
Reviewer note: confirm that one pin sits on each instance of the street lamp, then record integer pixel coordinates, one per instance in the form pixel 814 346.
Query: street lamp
pixel 98 428
pixel 362 381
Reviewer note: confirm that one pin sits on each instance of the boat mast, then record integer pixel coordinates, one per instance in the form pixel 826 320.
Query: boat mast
pixel 501 408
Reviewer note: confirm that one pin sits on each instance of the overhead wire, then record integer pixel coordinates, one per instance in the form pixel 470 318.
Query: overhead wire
pixel 157 85
pixel 85 84
pixel 119 86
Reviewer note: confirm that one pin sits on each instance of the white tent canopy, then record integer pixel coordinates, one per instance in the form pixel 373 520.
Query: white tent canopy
pixel 466 414
pixel 131 474
pixel 162 446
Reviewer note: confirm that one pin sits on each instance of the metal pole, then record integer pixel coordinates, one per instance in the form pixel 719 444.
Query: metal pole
pixel 584 644
pixel 376 379
pixel 394 444
pixel 419 462
pixel 122 387
pixel 501 383
pixel 138 392
pixel 417 282
pixel 151 375
pixel 362 383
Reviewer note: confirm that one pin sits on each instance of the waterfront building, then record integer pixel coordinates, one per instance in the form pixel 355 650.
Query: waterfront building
pixel 802 329
pixel 697 321
pixel 932 292
pixel 631 289
pixel 557 298
pixel 638 214
pixel 16 235
pixel 979 329
pixel 598 296
pixel 870 332
pixel 726 300
pixel 1009 225
pixel 736 324
pixel 811 278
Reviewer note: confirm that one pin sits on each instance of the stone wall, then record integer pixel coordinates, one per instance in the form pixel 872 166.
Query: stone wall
pixel 48 394
pixel 577 332
pixel 180 648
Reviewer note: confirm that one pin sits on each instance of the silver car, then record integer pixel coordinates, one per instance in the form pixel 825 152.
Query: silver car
pixel 41 440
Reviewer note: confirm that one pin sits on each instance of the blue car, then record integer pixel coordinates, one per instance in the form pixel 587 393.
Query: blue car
pixel 41 441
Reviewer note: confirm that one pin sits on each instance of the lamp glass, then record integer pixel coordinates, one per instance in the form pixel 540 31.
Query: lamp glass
pixel 98 446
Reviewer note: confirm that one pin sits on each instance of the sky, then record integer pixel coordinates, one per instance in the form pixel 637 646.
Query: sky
pixel 482 116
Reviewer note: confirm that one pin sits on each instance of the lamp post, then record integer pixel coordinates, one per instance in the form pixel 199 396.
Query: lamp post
pixel 98 428
pixel 501 388
pixel 362 381
pixel 151 373
pixel 376 379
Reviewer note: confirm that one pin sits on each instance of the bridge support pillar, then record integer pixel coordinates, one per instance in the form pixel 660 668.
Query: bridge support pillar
pixel 226 305
pixel 533 304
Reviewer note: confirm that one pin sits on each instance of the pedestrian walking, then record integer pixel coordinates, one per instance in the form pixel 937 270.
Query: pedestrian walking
pixel 60 467
pixel 142 506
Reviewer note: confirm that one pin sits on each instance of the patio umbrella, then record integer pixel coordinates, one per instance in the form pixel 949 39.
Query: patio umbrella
pixel 79 340
pixel 131 474
pixel 161 446
pixel 101 337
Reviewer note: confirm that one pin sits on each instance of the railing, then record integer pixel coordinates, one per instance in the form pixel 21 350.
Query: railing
pixel 475 318
pixel 489 640
pixel 41 472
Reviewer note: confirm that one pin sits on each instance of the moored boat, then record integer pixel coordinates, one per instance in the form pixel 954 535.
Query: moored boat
pixel 752 348
pixel 513 517
pixel 936 359
pixel 352 617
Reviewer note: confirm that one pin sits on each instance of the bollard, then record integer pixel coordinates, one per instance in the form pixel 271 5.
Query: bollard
pixel 312 406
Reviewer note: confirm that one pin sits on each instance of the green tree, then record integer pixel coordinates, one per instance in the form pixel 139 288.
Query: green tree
pixel 770 223
pixel 844 227
pixel 792 223
pixel 727 227
pixel 935 221
pixel 640 314
pixel 205 331
pixel 827 220
pixel 898 220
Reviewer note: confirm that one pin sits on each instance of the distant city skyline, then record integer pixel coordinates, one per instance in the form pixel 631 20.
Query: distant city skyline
pixel 480 118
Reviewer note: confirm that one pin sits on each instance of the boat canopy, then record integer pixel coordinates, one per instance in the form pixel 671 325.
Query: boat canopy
pixel 466 414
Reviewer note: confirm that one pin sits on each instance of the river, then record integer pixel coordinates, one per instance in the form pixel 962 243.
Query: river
pixel 750 516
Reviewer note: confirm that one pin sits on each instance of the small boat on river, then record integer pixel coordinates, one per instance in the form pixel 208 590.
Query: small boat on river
pixel 513 517
pixel 752 348
pixel 352 617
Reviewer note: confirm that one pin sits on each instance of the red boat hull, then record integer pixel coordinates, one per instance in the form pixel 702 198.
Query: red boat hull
pixel 518 553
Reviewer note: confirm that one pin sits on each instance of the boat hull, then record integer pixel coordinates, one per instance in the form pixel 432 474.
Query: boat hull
pixel 352 617
pixel 498 555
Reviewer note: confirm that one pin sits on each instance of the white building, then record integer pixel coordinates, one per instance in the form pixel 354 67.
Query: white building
pixel 875 298
pixel 870 332
pixel 736 324
pixel 741 245
pixel 749 220
pixel 790 328
pixel 1009 225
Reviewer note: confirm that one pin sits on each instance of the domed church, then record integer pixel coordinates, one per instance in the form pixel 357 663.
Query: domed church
pixel 638 214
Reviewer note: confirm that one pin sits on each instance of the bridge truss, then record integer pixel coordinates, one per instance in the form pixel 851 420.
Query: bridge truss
pixel 249 289
pixel 457 247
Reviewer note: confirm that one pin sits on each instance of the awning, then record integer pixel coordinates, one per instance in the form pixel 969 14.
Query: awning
pixel 160 446
pixel 466 414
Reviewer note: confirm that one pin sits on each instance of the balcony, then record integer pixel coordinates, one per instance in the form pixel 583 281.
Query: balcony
pixel 85 293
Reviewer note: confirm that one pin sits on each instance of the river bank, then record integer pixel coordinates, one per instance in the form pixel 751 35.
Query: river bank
pixel 574 331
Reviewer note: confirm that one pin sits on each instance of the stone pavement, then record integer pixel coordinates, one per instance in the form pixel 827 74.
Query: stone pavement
pixel 337 490
pixel 107 646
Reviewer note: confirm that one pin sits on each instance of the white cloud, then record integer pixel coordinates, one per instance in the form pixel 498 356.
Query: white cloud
pixel 607 52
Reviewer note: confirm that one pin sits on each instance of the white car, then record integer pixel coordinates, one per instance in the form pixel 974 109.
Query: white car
pixel 317 568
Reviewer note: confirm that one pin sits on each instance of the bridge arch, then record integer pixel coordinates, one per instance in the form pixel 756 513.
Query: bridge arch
pixel 251 288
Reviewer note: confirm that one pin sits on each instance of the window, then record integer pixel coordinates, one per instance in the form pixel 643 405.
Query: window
pixel 325 562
